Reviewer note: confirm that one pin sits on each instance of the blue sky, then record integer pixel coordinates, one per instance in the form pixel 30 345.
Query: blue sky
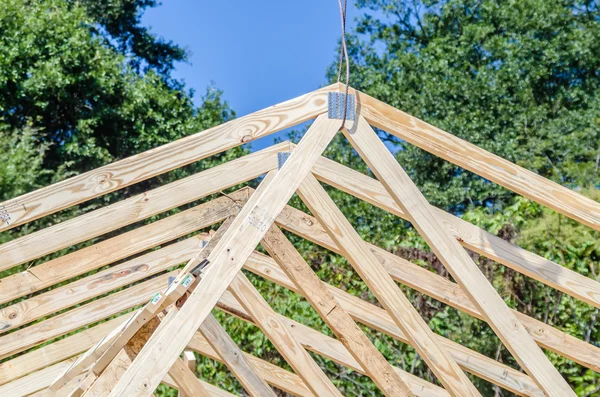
pixel 259 53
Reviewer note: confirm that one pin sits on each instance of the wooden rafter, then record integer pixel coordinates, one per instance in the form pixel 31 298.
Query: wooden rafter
pixel 138 271
pixel 508 328
pixel 340 322
pixel 244 234
pixel 383 287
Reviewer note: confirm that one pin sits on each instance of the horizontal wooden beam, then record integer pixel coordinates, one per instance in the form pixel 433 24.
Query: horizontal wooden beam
pixel 137 208
pixel 477 160
pixel 87 288
pixel 162 159
pixel 89 313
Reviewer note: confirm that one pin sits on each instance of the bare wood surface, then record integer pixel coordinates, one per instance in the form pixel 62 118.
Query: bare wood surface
pixel 189 359
pixel 102 282
pixel 116 248
pixel 478 161
pixel 234 358
pixel 378 319
pixel 226 260
pixel 383 287
pixel 164 158
pixel 274 375
pixel 87 314
pixel 502 320
pixel 137 208
pixel 336 317
pixel 283 340
pixel 329 347
pixel 187 381
pixel 444 290
pixel 467 234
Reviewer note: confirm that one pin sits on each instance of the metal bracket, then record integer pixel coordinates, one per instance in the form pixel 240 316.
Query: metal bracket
pixel 198 269
pixel 281 158
pixel 335 106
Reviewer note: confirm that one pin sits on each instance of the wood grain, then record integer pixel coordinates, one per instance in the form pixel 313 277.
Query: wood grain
pixel 467 234
pixel 226 260
pixel 137 208
pixel 234 358
pixel 115 248
pixel 455 259
pixel 164 158
pixel 383 287
pixel 281 337
pixel 478 161
pixel 444 290
pixel 378 319
pixel 336 317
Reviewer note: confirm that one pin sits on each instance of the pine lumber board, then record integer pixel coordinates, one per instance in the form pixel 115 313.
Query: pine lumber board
pixel 274 375
pixel 137 208
pixel 189 359
pixel 328 347
pixel 385 289
pixel 477 160
pixel 226 260
pixel 187 381
pixel 81 290
pixel 444 290
pixel 456 260
pixel 122 246
pixel 234 358
pixel 467 234
pixel 35 381
pixel 56 352
pixel 281 337
pixel 378 319
pixel 334 314
pixel 100 356
pixel 89 313
pixel 164 158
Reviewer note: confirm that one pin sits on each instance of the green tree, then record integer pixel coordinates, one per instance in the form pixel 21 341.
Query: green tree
pixel 93 82
pixel 517 78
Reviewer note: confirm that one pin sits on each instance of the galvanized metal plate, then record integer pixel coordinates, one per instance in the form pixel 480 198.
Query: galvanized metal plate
pixel 335 106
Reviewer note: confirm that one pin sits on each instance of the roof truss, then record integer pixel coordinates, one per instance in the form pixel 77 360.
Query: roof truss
pixel 132 353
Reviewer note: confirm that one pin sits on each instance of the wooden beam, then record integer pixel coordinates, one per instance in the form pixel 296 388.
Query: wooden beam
pixel 89 313
pixel 226 260
pixel 340 322
pixel 378 319
pixel 165 158
pixel 189 359
pixel 104 352
pixel 444 290
pixel 234 358
pixel 281 337
pixel 56 352
pixel 136 208
pixel 502 320
pixel 383 287
pixel 274 375
pixel 467 234
pixel 477 160
pixel 117 248
pixel 328 347
pixel 185 378
pixel 87 288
